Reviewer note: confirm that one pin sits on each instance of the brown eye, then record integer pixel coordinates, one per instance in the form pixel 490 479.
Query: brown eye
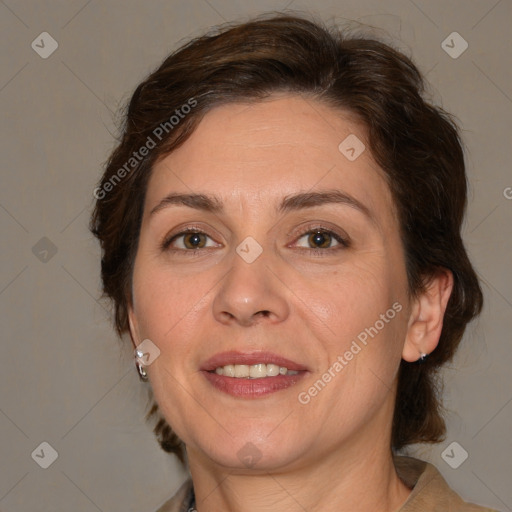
pixel 194 240
pixel 187 241
pixel 320 239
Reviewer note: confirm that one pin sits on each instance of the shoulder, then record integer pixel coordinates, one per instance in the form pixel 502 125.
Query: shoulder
pixel 430 491
pixel 180 502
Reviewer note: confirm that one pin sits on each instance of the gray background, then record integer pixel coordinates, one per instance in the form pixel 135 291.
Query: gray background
pixel 65 378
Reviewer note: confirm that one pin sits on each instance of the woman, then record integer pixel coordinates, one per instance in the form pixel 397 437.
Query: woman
pixel 280 227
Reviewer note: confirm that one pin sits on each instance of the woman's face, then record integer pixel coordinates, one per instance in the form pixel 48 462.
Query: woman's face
pixel 294 261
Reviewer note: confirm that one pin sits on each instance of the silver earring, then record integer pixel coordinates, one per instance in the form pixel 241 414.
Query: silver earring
pixel 422 358
pixel 143 374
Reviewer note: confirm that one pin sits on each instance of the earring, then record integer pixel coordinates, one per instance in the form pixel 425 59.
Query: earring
pixel 422 358
pixel 143 374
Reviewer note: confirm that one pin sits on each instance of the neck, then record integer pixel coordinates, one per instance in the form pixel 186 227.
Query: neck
pixel 353 478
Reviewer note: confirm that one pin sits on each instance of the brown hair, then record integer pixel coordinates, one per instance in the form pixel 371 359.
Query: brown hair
pixel 416 144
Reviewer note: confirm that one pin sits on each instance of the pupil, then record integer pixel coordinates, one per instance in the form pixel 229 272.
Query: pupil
pixel 194 240
pixel 320 239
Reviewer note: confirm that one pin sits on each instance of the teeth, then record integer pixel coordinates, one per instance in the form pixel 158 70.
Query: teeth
pixel 241 370
pixel 257 371
pixel 254 371
pixel 272 370
pixel 228 370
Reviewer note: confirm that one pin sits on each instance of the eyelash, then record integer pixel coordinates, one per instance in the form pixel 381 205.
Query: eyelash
pixel 344 241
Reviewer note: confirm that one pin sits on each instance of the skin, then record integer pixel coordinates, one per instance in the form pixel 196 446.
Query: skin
pixel 194 303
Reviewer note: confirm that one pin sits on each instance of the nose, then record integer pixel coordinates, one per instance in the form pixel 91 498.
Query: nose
pixel 251 293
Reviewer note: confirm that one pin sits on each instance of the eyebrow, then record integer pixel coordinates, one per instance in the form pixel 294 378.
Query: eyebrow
pixel 294 202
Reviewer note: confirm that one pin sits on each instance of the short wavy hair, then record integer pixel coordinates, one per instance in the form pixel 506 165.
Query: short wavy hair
pixel 416 144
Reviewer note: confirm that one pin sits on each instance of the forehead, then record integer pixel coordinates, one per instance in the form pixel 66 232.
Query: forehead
pixel 256 153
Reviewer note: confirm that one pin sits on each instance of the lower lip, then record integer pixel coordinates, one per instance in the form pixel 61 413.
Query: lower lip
pixel 252 388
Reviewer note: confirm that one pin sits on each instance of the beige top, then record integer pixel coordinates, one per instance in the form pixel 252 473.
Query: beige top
pixel 430 492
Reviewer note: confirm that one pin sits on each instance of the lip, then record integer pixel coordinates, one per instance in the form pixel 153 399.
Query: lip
pixel 251 388
pixel 250 358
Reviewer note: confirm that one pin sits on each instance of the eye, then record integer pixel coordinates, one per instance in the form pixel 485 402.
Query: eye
pixel 322 239
pixel 188 240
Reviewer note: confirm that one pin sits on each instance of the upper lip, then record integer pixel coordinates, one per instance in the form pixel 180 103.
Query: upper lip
pixel 249 358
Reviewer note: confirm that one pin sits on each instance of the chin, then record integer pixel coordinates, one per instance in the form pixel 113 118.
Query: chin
pixel 247 450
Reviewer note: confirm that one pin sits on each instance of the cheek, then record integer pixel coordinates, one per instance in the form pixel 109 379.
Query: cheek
pixel 351 299
pixel 360 316
pixel 167 305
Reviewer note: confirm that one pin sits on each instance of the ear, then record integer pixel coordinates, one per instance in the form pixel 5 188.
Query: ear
pixel 427 313
pixel 134 331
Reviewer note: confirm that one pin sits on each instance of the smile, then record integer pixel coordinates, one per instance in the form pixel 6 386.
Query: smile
pixel 251 374
pixel 254 371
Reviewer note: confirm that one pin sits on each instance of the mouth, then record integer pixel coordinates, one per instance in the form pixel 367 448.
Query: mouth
pixel 251 375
